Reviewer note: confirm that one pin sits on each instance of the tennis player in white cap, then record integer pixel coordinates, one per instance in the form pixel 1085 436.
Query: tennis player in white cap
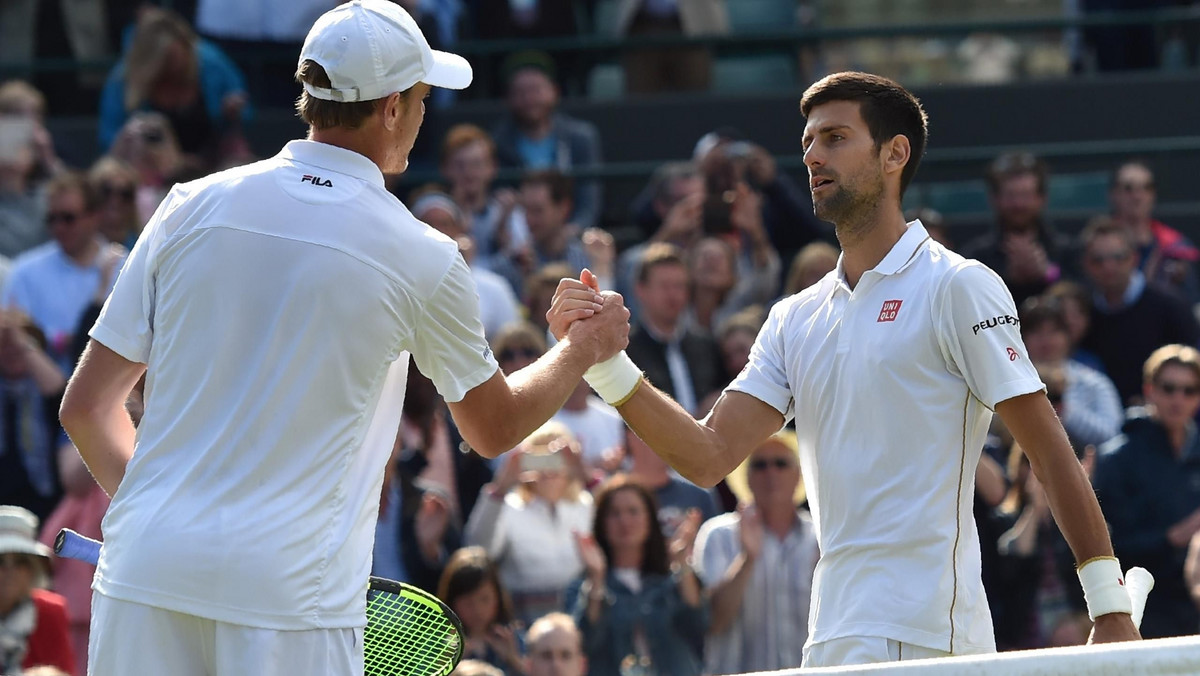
pixel 273 309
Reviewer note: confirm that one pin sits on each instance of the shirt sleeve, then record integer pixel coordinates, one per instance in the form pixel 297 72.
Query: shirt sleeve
pixel 448 343
pixel 712 554
pixel 126 322
pixel 981 338
pixel 765 374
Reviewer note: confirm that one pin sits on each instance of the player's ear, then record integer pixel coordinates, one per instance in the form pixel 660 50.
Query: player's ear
pixel 393 110
pixel 896 153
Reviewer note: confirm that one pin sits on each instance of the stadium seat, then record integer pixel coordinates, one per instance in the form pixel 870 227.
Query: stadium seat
pixel 1079 191
pixel 740 74
pixel 756 16
pixel 606 81
pixel 957 197
pixel 605 18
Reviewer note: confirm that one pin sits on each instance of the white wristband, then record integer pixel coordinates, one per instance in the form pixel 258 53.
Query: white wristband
pixel 614 379
pixel 1104 587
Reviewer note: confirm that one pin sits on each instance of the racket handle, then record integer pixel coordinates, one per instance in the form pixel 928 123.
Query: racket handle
pixel 71 545
pixel 1139 582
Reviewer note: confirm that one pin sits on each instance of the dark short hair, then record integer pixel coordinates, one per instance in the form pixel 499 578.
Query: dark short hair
pixel 1038 311
pixel 1104 226
pixel 469 569
pixel 655 255
pixel 321 114
pixel 556 182
pixel 889 110
pixel 1012 165
pixel 529 59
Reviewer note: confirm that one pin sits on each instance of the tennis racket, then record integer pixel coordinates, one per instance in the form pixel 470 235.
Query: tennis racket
pixel 410 632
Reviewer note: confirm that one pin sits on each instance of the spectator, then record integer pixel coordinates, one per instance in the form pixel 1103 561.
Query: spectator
pixel 722 285
pixel 168 69
pixel 475 668
pixel 525 518
pixel 468 163
pixel 33 621
pixel 535 135
pixel 116 184
pixel 736 336
pixel 758 567
pixel 1149 482
pixel 555 647
pixel 32 384
pixel 935 225
pixel 1023 248
pixel 24 143
pixel 678 500
pixel 1165 256
pixel 812 263
pixel 471 587
pixel 638 604
pixel 597 426
pixel 498 304
pixel 148 144
pixel 1076 302
pixel 1036 569
pixel 1091 410
pixel 676 359
pixel 53 283
pixel 545 198
pixel 1131 319
pixel 666 69
pixel 539 290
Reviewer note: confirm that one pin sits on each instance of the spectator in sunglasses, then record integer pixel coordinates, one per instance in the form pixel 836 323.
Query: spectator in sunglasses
pixel 1149 482
pixel 116 186
pixel 55 282
pixel 518 345
pixel 747 560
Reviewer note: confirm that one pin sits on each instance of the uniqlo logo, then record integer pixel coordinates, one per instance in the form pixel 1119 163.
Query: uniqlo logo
pixel 891 308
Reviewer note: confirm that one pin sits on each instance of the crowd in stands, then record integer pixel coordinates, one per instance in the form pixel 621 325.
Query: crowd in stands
pixel 580 551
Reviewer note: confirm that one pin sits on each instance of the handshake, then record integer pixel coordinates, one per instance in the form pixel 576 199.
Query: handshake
pixel 597 321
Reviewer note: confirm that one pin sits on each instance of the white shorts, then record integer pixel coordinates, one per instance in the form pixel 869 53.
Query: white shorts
pixel 864 650
pixel 132 638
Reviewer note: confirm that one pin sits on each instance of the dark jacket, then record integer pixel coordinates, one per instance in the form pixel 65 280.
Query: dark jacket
pixel 578 146
pixel 701 353
pixel 989 250
pixel 669 625
pixel 1144 490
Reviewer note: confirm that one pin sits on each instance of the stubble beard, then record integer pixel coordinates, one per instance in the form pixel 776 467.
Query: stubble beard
pixel 850 212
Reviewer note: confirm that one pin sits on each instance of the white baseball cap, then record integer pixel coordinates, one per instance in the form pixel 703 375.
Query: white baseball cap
pixel 373 48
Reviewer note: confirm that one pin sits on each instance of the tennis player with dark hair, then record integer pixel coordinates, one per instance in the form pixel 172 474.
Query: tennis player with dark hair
pixel 273 309
pixel 891 367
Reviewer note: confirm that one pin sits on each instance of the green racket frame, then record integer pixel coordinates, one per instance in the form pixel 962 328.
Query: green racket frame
pixel 410 632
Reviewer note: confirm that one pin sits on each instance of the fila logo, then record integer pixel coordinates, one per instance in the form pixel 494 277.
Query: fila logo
pixel 317 180
pixel 891 308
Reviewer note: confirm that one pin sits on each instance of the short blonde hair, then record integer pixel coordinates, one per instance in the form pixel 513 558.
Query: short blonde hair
pixel 550 438
pixel 475 668
pixel 17 95
pixel 1171 355
pixel 804 261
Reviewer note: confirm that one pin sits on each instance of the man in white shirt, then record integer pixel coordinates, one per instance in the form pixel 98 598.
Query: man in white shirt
pixel 891 367
pixel 273 309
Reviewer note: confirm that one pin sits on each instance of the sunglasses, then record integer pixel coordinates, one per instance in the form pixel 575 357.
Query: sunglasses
pixel 125 193
pixel 1135 187
pixel 10 560
pixel 1170 389
pixel 518 353
pixel 64 217
pixel 777 463
pixel 1114 257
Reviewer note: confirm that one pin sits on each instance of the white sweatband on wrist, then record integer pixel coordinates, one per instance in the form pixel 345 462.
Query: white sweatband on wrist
pixel 614 379
pixel 1104 587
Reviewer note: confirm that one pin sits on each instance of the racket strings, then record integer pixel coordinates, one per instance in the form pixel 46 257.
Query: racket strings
pixel 407 637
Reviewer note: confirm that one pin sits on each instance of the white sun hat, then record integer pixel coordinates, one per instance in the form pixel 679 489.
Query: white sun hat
pixel 373 48
pixel 18 532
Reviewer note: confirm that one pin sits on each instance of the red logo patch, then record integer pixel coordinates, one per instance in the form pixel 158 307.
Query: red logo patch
pixel 891 308
pixel 1012 355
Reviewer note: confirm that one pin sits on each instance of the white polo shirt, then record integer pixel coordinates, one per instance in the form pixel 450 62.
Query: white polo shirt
pixel 892 387
pixel 276 306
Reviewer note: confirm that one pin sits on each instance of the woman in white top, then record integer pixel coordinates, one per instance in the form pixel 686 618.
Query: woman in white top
pixel 525 519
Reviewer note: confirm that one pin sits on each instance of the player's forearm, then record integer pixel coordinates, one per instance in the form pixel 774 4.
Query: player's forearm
pixel 1073 503
pixel 727 595
pixel 105 438
pixel 686 444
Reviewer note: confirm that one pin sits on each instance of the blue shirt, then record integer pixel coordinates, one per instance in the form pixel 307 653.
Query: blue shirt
pixel 54 291
pixel 537 154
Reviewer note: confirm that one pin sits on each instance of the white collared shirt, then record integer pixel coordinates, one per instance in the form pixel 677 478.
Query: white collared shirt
pixel 276 306
pixel 892 387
